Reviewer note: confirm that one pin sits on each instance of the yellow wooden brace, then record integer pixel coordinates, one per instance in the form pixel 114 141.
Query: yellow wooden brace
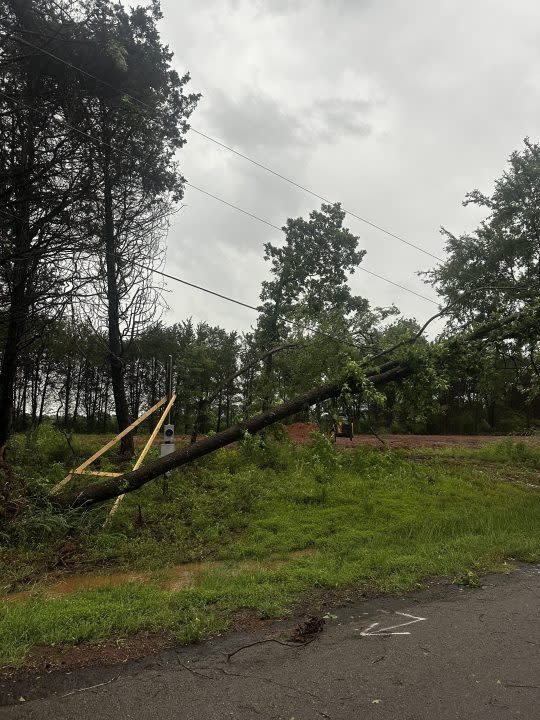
pixel 143 453
pixel 99 453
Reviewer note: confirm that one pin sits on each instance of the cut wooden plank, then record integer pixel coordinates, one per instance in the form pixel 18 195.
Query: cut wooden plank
pixel 144 452
pixel 152 437
pixel 99 473
pixel 107 446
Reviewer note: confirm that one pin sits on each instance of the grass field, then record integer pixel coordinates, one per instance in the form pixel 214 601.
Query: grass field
pixel 267 526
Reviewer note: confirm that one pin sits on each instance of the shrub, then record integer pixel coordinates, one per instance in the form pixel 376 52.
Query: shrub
pixel 322 461
pixel 43 444
pixel 268 453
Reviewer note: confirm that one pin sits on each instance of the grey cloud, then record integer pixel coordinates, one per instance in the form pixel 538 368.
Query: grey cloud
pixel 336 117
pixel 283 7
pixel 254 121
pixel 259 121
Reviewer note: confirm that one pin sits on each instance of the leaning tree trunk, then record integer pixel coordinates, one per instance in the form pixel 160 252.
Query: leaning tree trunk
pixel 101 491
pixel 390 371
pixel 113 305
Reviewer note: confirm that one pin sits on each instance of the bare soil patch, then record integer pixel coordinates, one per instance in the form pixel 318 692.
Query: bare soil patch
pixel 435 441
pixel 301 433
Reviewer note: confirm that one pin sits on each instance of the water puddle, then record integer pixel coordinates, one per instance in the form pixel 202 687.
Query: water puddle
pixel 176 578
pixel 73 583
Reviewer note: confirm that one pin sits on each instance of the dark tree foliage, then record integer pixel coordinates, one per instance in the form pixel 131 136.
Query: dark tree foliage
pixel 497 266
pixel 44 184
pixel 496 269
pixel 309 281
pixel 89 177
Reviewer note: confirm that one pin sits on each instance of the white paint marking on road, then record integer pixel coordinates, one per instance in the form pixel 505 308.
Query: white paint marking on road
pixel 386 631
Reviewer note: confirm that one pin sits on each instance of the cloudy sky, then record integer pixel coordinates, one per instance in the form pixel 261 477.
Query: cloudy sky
pixel 394 108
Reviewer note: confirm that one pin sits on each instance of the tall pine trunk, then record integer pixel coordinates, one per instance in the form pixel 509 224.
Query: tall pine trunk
pixel 16 320
pixel 113 301
pixel 10 355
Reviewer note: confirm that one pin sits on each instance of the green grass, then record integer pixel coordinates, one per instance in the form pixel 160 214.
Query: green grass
pixel 370 521
pixel 507 452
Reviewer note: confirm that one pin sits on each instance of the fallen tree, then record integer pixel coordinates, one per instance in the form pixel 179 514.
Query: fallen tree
pixel 354 380
pixel 111 488
pixel 204 404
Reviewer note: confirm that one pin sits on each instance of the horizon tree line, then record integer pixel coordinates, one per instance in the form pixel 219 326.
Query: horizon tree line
pixel 89 179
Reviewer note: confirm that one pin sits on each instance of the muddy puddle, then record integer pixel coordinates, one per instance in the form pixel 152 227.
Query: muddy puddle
pixel 176 578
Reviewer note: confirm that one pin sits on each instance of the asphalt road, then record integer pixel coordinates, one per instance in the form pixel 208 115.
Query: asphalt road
pixel 467 653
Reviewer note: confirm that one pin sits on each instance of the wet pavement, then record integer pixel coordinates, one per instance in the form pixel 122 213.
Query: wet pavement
pixel 447 652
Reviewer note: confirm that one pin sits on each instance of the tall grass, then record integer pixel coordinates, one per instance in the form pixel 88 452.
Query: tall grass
pixel 366 520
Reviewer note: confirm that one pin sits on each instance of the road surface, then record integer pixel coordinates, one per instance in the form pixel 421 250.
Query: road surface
pixel 447 652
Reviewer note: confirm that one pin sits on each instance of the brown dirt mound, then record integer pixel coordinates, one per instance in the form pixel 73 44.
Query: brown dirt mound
pixel 300 432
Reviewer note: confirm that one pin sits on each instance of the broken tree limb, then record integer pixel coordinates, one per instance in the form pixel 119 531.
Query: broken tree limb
pixel 111 488
pixel 481 332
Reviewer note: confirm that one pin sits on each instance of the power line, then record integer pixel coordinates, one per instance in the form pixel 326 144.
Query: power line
pixel 284 318
pixel 315 194
pixel 258 164
pixel 235 207
pixel 293 323
pixel 201 288
pixel 98 141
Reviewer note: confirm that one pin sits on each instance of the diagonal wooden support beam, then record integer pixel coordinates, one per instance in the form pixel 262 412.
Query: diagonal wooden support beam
pixel 107 446
pixel 143 453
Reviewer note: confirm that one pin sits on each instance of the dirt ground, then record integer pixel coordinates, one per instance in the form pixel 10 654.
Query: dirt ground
pixel 300 433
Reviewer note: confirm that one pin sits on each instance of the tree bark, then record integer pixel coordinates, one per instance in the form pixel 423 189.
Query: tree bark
pixel 10 356
pixel 219 412
pixel 18 306
pixel 44 391
pixel 67 399
pixel 115 342
pixel 101 491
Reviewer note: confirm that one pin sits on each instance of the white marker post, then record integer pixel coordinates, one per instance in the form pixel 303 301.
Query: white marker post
pixel 167 447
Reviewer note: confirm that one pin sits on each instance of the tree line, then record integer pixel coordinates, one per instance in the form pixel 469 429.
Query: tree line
pixel 65 378
pixel 91 174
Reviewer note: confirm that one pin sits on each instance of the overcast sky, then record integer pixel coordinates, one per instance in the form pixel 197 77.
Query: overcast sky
pixel 394 108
